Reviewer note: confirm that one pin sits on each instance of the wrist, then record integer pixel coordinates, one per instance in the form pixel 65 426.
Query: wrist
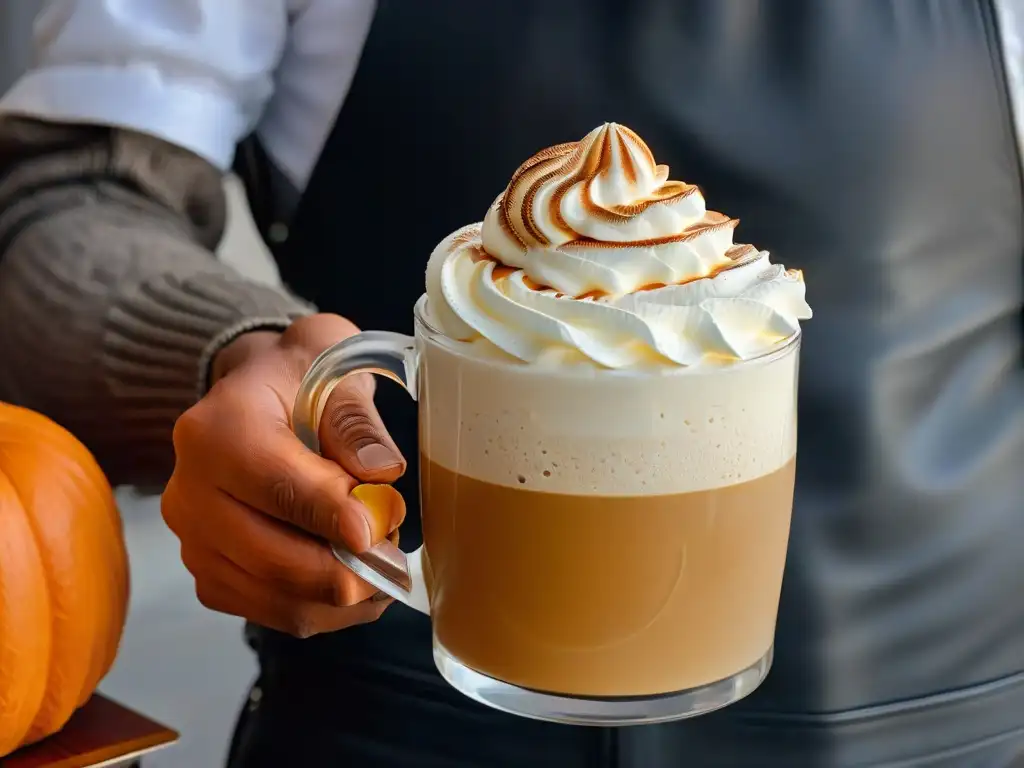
pixel 215 362
pixel 240 349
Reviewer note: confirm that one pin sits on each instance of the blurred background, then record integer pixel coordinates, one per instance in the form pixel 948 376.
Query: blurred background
pixel 179 663
pixel 16 25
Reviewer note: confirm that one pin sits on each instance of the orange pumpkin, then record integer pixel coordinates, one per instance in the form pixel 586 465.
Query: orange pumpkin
pixel 63 577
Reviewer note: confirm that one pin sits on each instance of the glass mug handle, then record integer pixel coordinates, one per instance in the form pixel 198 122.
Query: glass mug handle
pixel 393 355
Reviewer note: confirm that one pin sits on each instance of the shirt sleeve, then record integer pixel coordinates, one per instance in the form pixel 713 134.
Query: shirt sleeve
pixel 195 73
pixel 1011 31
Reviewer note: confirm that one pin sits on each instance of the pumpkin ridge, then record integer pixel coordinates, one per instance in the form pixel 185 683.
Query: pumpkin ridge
pixel 25 623
pixel 109 584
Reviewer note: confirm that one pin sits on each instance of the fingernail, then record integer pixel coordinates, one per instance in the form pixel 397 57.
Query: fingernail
pixel 380 596
pixel 377 456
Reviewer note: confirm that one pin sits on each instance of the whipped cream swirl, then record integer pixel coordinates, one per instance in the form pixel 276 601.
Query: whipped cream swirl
pixel 591 254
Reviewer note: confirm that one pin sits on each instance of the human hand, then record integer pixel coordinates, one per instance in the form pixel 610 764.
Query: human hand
pixel 254 508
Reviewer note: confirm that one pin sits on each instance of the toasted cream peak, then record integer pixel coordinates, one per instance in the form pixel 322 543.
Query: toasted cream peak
pixel 591 254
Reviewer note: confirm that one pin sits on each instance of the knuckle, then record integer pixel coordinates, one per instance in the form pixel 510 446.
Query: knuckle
pixel 208 597
pixel 304 510
pixel 173 509
pixel 301 623
pixel 189 428
pixel 284 495
pixel 333 593
pixel 338 591
pixel 314 509
pixel 353 423
pixel 169 508
pixel 189 559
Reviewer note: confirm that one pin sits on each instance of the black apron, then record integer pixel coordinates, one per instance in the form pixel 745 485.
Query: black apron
pixel 869 143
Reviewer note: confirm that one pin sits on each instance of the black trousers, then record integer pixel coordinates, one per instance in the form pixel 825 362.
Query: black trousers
pixel 279 728
pixel 333 703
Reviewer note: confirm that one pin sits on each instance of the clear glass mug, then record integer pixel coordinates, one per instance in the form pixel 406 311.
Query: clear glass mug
pixel 600 547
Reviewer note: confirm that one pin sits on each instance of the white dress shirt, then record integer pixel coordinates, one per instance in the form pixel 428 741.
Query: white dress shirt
pixel 199 73
pixel 204 73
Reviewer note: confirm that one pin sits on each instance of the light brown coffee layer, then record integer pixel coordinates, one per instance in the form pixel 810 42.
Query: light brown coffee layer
pixel 605 595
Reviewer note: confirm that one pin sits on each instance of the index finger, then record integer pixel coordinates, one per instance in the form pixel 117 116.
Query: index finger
pixel 281 477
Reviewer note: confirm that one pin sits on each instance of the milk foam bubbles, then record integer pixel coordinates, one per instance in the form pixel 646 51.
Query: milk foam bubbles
pixel 593 255
pixel 583 432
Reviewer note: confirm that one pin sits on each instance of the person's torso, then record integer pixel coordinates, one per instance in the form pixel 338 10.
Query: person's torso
pixel 870 144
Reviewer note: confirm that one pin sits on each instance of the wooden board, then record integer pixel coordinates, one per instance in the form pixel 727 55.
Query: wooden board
pixel 102 733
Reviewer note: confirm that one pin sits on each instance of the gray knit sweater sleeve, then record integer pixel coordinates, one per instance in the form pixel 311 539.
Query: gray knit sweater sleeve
pixel 111 301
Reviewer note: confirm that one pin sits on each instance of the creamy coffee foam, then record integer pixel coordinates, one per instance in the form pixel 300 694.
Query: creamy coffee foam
pixel 607 435
pixel 593 256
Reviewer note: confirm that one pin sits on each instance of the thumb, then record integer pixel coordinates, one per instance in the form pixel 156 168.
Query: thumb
pixel 353 435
